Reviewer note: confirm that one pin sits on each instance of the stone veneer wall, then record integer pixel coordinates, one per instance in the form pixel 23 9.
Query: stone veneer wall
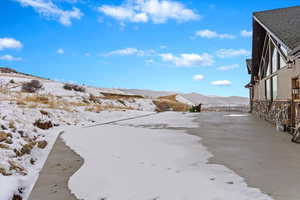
pixel 274 112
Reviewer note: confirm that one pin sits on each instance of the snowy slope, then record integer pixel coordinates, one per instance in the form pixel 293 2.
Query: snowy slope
pixel 184 100
pixel 21 155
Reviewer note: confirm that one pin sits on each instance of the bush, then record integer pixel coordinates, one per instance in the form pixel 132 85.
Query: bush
pixel 7 70
pixel 77 88
pixel 43 124
pixel 32 86
pixel 195 108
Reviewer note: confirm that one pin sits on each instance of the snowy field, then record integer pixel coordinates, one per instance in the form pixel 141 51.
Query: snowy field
pixel 25 145
pixel 127 161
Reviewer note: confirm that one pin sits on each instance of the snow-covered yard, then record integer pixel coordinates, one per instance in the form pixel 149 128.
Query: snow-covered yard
pixel 141 159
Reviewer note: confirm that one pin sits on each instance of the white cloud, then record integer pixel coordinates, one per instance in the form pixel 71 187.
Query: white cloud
pixel 163 46
pixel 228 67
pixel 213 34
pixel 149 61
pixel 48 9
pixel 198 77
pixel 157 11
pixel 223 53
pixel 245 33
pixel 9 43
pixel 10 58
pixel 226 36
pixel 207 33
pixel 60 51
pixel 87 54
pixel 125 52
pixel 131 52
pixel 188 60
pixel 221 83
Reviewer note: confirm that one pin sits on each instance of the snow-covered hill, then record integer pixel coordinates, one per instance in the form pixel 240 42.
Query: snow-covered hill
pixel 35 110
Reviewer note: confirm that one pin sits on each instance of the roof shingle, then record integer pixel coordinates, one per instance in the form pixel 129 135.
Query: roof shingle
pixel 284 23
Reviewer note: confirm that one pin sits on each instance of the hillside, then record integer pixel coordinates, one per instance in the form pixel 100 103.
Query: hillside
pixel 195 98
pixel 34 111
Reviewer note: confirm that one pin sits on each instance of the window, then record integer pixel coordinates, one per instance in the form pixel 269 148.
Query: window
pixel 274 60
pixel 283 50
pixel 274 87
pixel 271 88
pixel 268 69
pixel 268 89
pixel 281 62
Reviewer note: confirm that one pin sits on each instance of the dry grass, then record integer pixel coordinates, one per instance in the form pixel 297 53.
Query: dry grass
pixel 46 101
pixel 169 97
pixel 42 99
pixel 120 96
pixel 99 108
pixel 4 89
pixel 55 102
pixel 169 103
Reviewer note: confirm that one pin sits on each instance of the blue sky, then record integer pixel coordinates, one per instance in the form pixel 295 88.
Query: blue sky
pixel 187 46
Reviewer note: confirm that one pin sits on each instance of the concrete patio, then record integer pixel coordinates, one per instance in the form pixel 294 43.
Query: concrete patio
pixel 255 150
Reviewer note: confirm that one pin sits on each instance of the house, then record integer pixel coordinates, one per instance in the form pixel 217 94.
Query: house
pixel 275 66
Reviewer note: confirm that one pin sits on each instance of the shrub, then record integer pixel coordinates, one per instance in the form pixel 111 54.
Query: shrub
pixel 37 99
pixel 77 88
pixel 43 124
pixel 7 70
pixel 169 103
pixel 32 86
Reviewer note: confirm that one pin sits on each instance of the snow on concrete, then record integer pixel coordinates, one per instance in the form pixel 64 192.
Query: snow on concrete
pixel 165 120
pixel 237 115
pixel 125 162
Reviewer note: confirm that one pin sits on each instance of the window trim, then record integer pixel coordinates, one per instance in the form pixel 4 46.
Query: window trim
pixel 271 89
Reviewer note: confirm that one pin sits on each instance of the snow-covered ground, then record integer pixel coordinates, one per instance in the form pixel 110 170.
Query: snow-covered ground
pixel 24 147
pixel 129 161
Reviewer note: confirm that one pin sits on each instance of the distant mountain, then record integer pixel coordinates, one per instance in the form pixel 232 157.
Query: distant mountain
pixel 148 93
pixel 54 87
pixel 216 100
pixel 196 98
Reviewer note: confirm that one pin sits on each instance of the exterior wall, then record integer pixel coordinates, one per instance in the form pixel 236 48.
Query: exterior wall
pixel 261 91
pixel 279 110
pixel 284 84
pixel 255 92
pixel 285 76
pixel 276 112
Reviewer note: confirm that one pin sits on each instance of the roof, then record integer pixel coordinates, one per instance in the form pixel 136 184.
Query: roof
pixel 249 65
pixel 284 23
pixel 284 26
pixel 249 85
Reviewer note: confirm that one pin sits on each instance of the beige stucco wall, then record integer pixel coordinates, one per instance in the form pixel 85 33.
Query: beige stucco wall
pixel 285 81
pixel 261 91
pixel 284 86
